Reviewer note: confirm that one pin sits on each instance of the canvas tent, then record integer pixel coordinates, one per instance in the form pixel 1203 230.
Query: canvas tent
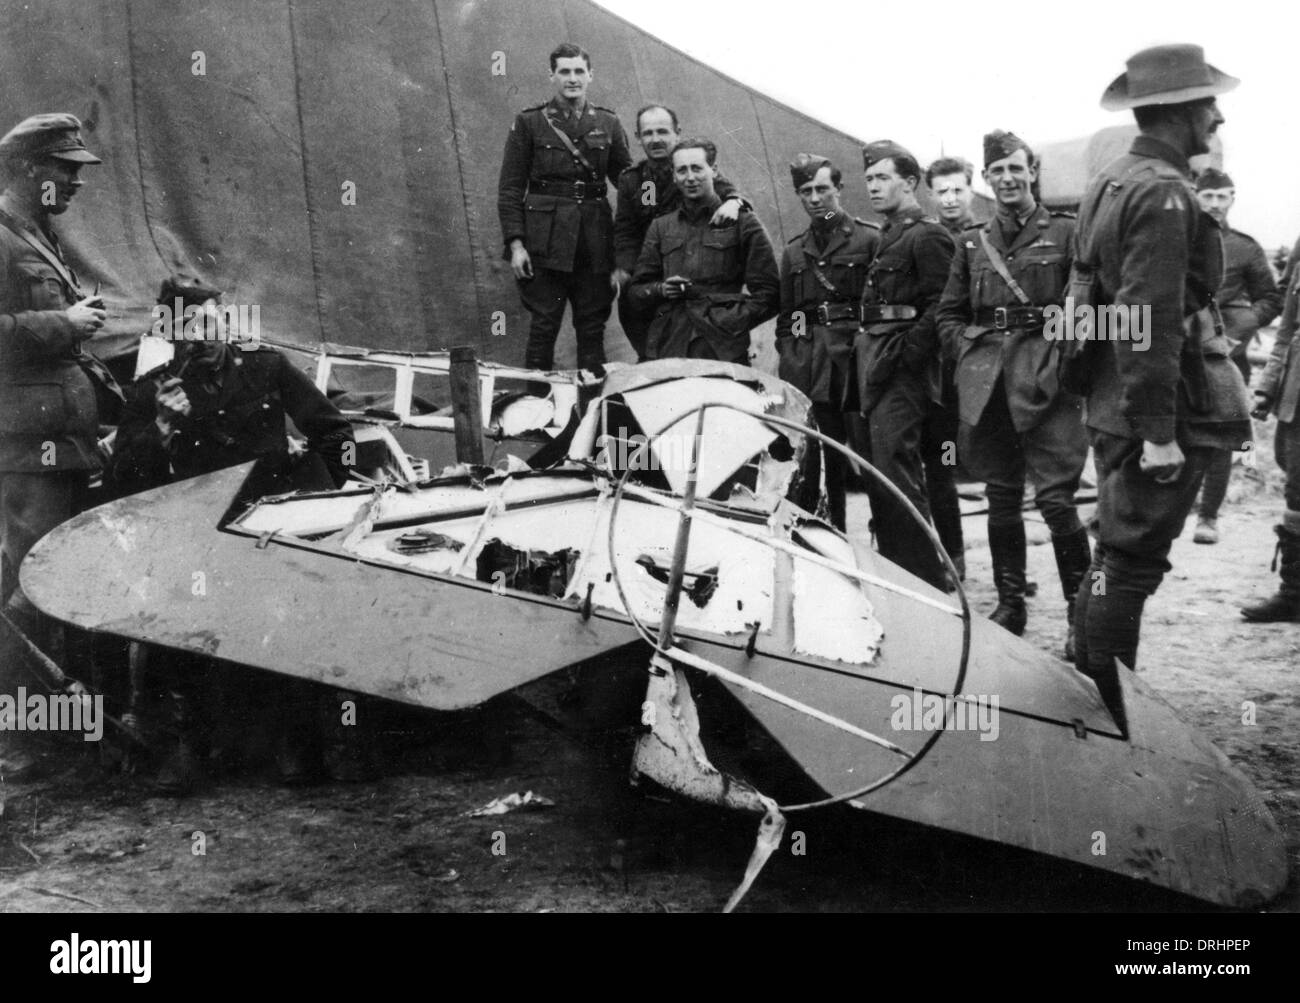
pixel 232 131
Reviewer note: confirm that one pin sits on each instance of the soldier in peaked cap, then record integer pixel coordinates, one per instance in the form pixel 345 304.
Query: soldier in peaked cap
pixel 1158 406
pixel 49 386
pixel 1017 424
pixel 556 223
pixel 823 275
pixel 1248 300
pixel 897 352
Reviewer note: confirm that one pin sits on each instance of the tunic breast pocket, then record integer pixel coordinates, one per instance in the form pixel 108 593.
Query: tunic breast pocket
pixel 672 252
pixel 551 161
pixel 848 273
pixel 1043 276
pixel 43 286
pixel 720 252
pixel 889 276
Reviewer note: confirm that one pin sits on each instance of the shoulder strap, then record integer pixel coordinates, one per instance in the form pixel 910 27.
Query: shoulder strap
pixel 1000 266
pixel 568 144
pixel 44 251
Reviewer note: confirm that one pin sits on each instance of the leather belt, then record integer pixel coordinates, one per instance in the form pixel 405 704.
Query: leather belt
pixel 829 313
pixel 875 313
pixel 1005 318
pixel 578 190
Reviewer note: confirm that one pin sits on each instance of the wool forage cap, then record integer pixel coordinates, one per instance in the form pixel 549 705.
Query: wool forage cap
pixel 187 289
pixel 56 134
pixel 1212 179
pixel 805 166
pixel 999 144
pixel 1166 74
pixel 883 149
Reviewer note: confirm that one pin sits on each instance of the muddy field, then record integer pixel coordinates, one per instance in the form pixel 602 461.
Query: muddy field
pixel 87 839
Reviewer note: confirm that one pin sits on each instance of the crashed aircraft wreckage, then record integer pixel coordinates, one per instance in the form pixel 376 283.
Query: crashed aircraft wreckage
pixel 663 529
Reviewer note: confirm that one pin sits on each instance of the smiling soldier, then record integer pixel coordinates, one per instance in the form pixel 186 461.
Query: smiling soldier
pixel 1017 423
pixel 708 287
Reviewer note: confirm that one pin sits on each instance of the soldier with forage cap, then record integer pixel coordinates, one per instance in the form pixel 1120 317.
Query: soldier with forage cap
pixel 897 352
pixel 1156 414
pixel 1248 300
pixel 1017 424
pixel 823 274
pixel 49 412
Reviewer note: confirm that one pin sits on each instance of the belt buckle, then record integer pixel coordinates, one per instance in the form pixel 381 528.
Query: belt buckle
pixel 580 190
pixel 824 314
pixel 1000 318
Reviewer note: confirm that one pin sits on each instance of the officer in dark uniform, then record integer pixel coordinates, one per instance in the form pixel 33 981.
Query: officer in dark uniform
pixel 52 391
pixel 1018 425
pixel 1248 300
pixel 823 274
pixel 897 352
pixel 1156 415
pixel 645 192
pixel 555 215
pixel 1279 393
pixel 218 404
pixel 949 179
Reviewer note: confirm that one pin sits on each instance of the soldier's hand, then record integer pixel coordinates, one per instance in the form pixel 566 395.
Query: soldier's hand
pixel 674 286
pixel 618 278
pixel 1263 405
pixel 520 263
pixel 87 315
pixel 727 213
pixel 1163 461
pixel 172 404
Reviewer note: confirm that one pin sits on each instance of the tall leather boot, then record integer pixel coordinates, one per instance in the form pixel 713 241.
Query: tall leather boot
pixel 1284 605
pixel 1073 558
pixel 1007 546
pixel 182 770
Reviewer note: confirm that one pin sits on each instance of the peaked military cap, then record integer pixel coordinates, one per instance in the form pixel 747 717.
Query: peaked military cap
pixel 51 135
pixel 188 289
pixel 1211 179
pixel 1000 144
pixel 805 166
pixel 1166 74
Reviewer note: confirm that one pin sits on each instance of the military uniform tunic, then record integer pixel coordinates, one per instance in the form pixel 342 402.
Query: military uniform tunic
pixel 1017 422
pixel 735 284
pixel 646 191
pixel 49 418
pixel 1249 297
pixel 1144 242
pixel 824 267
pixel 241 419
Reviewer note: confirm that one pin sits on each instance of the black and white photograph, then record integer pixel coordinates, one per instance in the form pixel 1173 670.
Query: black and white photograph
pixel 488 456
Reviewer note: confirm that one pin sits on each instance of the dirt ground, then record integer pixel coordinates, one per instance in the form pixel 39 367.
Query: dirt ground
pixel 83 839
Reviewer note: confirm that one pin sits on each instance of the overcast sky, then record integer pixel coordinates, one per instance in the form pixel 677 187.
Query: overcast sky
pixel 941 74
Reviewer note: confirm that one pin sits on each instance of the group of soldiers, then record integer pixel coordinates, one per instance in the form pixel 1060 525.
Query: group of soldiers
pixel 920 342
pixel 70 436
pixel 926 342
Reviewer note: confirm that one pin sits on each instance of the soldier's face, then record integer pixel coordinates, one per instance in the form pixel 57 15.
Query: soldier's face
pixel 820 196
pixel 57 182
pixel 571 78
pixel 693 174
pixel 1011 178
pixel 954 194
pixel 1217 202
pixel 657 135
pixel 1204 119
pixel 886 189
